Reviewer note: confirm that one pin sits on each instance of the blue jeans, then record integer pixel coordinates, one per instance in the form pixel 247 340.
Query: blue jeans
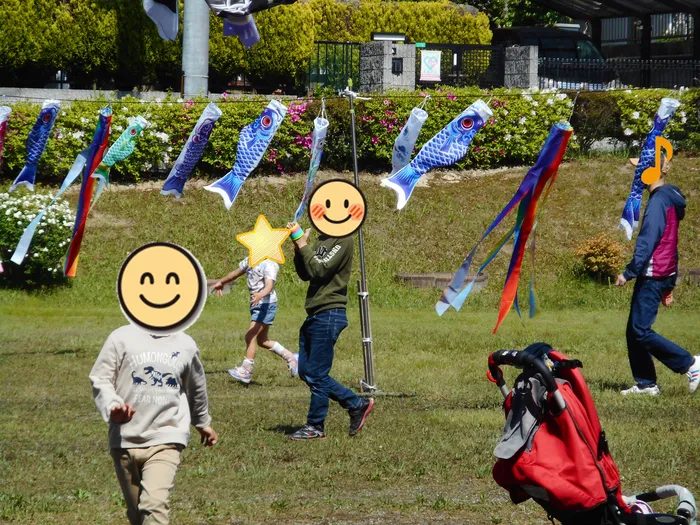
pixel 317 337
pixel 643 342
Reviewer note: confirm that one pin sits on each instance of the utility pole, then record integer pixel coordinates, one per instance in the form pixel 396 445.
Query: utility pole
pixel 195 49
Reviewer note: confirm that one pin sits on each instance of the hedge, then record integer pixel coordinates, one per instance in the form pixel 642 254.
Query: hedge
pixel 113 44
pixel 514 136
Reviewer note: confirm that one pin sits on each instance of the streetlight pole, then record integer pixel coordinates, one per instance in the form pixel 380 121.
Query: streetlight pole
pixel 367 384
pixel 195 49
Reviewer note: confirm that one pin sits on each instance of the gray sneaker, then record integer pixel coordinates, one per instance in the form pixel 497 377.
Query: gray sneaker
pixel 694 375
pixel 308 433
pixel 649 390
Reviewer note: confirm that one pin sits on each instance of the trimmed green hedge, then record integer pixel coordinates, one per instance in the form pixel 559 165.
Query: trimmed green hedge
pixel 113 44
pixel 514 136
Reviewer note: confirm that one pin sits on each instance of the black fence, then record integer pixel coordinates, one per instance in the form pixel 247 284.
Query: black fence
pixel 466 65
pixel 332 64
pixel 619 73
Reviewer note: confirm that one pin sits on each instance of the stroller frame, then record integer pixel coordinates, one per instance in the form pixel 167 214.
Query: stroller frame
pixel 552 370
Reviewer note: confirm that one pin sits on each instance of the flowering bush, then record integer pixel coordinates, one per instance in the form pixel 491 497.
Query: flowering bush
pixel 43 262
pixel 514 135
pixel 601 256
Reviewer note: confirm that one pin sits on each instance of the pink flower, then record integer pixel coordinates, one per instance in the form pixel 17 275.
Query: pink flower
pixel 365 118
pixel 390 127
pixel 224 95
pixel 491 121
pixel 423 94
pixel 384 122
pixel 295 117
pixel 375 140
pixel 451 96
pixel 389 113
pixel 477 149
pixel 386 102
pixel 502 152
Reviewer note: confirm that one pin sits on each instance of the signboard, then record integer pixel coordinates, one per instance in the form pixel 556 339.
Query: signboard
pixel 430 66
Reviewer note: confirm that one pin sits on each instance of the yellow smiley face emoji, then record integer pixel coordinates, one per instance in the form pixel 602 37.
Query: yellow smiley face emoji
pixel 162 288
pixel 337 208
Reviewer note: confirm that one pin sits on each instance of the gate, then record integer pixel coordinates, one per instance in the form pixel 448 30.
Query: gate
pixel 332 64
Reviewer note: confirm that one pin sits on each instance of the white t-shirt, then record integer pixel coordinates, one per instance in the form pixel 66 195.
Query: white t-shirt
pixel 256 277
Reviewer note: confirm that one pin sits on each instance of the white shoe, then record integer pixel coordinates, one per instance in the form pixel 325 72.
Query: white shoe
pixel 651 390
pixel 694 375
pixel 241 374
pixel 294 365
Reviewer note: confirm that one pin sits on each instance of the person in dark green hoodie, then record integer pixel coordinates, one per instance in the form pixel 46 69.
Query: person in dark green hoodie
pixel 327 267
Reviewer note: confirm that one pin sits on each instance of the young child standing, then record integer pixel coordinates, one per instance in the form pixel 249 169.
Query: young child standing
pixel 263 309
pixel 149 389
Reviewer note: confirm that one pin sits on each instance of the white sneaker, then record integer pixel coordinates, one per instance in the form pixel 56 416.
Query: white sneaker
pixel 651 390
pixel 293 365
pixel 694 375
pixel 241 374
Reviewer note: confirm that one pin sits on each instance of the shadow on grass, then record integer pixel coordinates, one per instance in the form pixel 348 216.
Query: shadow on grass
pixel 284 429
pixel 609 385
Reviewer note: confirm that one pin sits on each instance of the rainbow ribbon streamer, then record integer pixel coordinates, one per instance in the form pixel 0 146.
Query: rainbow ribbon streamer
pixel 5 112
pixel 317 142
pixel 94 156
pixel 630 214
pixel 545 169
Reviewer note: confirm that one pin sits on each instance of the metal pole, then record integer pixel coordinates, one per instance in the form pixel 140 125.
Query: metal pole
pixel 195 48
pixel 367 384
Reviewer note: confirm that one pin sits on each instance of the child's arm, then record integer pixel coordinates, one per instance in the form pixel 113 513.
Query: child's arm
pixel 256 297
pixel 235 274
pixel 102 377
pixel 196 389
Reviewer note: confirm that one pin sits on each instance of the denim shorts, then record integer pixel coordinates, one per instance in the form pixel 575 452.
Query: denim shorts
pixel 263 313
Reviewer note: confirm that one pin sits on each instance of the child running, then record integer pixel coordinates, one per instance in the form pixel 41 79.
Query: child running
pixel 263 308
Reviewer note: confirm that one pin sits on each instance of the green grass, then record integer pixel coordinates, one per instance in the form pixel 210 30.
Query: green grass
pixel 426 453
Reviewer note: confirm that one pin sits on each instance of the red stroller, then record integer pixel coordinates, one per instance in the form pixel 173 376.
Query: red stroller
pixel 554 451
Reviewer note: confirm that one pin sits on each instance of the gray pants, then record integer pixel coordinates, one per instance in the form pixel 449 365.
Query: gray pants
pixel 146 477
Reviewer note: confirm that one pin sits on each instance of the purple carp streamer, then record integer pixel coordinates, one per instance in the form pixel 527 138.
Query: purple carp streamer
pixel 192 152
pixel 406 141
pixel 36 144
pixel 164 15
pixel 630 215
pixel 445 148
pixel 252 145
pixel 244 28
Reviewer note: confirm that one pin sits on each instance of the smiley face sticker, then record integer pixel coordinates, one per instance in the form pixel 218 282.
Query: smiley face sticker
pixel 162 288
pixel 337 208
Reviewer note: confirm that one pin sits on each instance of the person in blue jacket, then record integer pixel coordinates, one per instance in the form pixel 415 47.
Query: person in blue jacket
pixel 655 266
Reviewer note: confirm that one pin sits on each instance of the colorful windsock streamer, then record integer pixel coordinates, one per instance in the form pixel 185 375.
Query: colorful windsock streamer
pixel 96 151
pixel 36 144
pixel 192 152
pixel 445 148
pixel 317 142
pixel 406 141
pixel 244 28
pixel 252 144
pixel 5 113
pixel 553 152
pixel 630 215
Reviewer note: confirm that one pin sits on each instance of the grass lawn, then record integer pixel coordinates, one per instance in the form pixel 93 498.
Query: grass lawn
pixel 426 453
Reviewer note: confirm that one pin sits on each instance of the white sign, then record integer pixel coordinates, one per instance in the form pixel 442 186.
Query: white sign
pixel 430 65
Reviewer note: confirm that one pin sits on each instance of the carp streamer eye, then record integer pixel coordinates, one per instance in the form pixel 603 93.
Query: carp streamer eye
pixel 47 117
pixel 266 121
pixel 195 139
pixel 467 123
pixel 133 132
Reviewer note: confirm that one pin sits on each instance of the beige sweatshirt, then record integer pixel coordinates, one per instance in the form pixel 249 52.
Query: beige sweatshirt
pixel 162 378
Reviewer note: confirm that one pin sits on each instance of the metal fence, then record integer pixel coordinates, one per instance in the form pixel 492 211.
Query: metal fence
pixel 332 64
pixel 617 73
pixel 665 27
pixel 466 65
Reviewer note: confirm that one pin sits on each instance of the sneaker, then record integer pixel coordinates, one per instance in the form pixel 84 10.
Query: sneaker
pixel 694 375
pixel 308 433
pixel 650 390
pixel 293 365
pixel 358 416
pixel 241 374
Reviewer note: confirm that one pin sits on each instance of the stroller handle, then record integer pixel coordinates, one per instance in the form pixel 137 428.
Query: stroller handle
pixel 523 360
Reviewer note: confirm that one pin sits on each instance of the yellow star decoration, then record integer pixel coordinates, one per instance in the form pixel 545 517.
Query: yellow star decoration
pixel 264 242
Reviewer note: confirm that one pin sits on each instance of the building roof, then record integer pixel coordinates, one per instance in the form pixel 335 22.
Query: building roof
pixel 588 9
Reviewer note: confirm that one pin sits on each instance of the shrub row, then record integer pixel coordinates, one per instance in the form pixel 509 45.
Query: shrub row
pixel 113 44
pixel 513 136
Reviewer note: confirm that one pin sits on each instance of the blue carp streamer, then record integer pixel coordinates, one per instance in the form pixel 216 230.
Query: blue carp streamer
pixel 630 215
pixel 252 144
pixel 36 144
pixel 317 142
pixel 192 152
pixel 445 148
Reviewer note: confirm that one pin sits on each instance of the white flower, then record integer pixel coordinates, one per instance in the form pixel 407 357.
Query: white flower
pixel 40 232
pixel 118 128
pixel 635 115
pixel 507 136
pixel 650 123
pixel 63 113
pixel 180 100
pixel 522 121
pixel 159 100
pixel 164 137
pixel 505 111
pixel 628 91
pixel 684 120
pixel 627 132
pixel 83 120
pixel 45 250
pixel 535 103
pixel 533 113
pixel 527 97
pixel 19 223
pixel 681 113
pixel 550 101
pixel 561 96
pixel 124 108
pixel 78 134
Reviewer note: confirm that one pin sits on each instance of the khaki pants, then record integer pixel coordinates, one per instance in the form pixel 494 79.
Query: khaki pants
pixel 146 476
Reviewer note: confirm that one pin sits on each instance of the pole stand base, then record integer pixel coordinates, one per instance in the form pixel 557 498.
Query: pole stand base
pixel 368 389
